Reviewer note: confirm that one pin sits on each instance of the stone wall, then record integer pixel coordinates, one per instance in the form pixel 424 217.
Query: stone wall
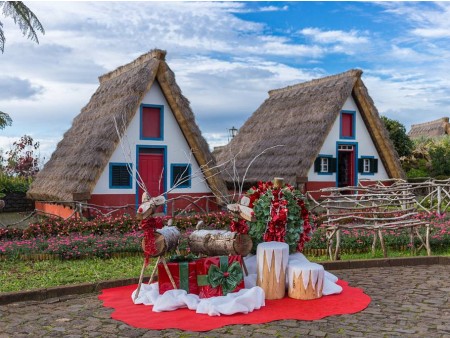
pixel 15 202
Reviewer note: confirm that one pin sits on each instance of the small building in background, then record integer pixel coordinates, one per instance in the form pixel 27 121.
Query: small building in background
pixel 436 128
pixel 322 133
pixel 137 122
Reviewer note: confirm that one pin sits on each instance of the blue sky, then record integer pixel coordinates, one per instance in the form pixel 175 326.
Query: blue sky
pixel 226 57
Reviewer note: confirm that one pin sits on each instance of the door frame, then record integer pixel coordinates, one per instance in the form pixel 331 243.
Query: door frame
pixel 164 186
pixel 355 160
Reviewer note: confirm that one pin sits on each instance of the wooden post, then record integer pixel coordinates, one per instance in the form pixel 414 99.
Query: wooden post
pixel 439 199
pixel 278 182
pixel 338 243
pixel 411 241
pixel 383 247
pixel 374 243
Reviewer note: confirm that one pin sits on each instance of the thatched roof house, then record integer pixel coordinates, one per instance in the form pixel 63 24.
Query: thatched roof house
pixel 82 156
pixel 436 128
pixel 306 119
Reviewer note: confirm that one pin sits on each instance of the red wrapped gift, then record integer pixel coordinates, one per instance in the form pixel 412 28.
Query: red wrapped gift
pixel 219 275
pixel 184 274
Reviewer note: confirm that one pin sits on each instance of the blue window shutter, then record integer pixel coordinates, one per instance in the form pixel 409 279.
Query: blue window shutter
pixel 332 165
pixel 317 165
pixel 360 165
pixel 374 165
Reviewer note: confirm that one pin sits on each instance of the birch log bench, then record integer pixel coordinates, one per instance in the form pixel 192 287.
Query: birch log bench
pixel 375 208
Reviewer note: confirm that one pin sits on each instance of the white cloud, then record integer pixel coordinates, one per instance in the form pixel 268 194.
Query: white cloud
pixel 317 35
pixel 273 8
pixel 435 33
pixel 224 64
pixel 428 20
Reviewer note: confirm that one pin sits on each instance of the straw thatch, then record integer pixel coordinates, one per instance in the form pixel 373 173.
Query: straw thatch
pixel 85 150
pixel 300 117
pixel 436 128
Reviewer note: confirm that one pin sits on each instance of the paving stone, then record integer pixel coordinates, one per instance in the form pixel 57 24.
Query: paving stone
pixel 406 302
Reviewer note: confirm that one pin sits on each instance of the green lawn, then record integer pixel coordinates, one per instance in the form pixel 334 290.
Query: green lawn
pixel 17 275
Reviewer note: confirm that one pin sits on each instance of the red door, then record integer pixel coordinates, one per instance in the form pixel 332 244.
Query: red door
pixel 151 165
pixel 346 166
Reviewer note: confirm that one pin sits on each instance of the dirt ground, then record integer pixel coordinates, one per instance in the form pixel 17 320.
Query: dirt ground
pixel 20 220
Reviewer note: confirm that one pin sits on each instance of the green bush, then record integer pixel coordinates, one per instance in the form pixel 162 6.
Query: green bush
pixel 13 184
pixel 416 173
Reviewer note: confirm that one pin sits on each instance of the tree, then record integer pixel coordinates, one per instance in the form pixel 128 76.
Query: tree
pixel 397 134
pixel 5 120
pixel 28 23
pixel 440 157
pixel 22 159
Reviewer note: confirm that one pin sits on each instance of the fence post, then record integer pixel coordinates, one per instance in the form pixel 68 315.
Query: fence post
pixel 439 199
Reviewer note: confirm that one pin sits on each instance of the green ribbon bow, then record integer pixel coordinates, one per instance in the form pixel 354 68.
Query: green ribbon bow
pixel 228 277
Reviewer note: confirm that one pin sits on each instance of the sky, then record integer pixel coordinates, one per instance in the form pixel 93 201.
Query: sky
pixel 226 56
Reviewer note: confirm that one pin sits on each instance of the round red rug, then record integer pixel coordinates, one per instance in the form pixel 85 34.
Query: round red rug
pixel 351 300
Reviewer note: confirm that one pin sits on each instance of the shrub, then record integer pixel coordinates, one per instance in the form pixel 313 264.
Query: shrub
pixel 14 184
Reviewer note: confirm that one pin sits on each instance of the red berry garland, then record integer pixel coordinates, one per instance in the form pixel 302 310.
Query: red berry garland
pixel 149 226
pixel 281 215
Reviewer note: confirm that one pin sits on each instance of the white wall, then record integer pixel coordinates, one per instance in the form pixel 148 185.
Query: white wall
pixel 362 137
pixel 178 150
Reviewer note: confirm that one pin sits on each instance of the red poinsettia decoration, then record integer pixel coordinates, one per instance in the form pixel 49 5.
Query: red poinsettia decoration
pixel 281 215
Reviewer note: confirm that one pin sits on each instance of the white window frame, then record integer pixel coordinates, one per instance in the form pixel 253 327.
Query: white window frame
pixel 324 164
pixel 366 165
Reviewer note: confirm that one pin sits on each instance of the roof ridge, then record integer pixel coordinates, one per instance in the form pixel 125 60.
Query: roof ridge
pixel 314 82
pixel 153 54
pixel 440 120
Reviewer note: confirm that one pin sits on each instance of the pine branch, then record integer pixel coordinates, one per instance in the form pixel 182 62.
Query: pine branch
pixel 28 23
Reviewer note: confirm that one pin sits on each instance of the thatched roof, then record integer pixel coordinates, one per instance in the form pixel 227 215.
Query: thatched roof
pixel 300 117
pixel 81 156
pixel 436 128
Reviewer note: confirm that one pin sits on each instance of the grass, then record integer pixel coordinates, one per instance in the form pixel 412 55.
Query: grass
pixel 17 275
pixel 379 254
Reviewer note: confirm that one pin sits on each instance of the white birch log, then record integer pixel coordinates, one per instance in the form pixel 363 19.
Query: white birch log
pixel 219 243
pixel 166 240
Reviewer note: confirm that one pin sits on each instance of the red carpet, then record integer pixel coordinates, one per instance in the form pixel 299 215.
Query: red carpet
pixel 351 300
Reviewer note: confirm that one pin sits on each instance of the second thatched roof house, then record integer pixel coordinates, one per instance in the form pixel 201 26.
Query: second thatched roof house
pixel 436 128
pixel 322 133
pixel 137 121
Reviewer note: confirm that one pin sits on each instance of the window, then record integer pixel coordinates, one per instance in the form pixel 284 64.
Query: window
pixel 120 176
pixel 325 165
pixel 348 125
pixel 367 165
pixel 152 122
pixel 181 175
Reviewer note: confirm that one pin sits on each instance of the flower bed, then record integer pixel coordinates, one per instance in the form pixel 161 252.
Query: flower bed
pixel 49 227
pixel 108 237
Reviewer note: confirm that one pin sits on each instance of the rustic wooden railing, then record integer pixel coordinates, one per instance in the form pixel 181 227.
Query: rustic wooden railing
pixel 374 206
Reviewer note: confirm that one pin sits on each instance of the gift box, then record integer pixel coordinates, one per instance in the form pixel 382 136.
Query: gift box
pixel 184 275
pixel 219 275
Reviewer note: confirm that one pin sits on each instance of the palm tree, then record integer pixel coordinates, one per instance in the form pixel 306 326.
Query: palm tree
pixel 24 17
pixel 5 120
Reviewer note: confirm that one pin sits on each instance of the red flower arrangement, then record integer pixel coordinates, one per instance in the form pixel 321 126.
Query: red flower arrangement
pixel 281 215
